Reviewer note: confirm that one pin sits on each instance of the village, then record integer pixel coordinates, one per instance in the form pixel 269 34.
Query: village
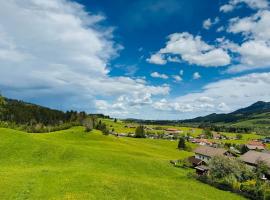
pixel 208 144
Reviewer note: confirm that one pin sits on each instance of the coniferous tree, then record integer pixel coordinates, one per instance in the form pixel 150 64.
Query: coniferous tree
pixel 181 143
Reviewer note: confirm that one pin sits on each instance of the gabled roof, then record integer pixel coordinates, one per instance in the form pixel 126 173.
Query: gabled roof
pixel 210 151
pixel 252 157
pixel 194 161
pixel 256 145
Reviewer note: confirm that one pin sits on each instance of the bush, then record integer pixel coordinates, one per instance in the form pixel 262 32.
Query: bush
pixel 139 132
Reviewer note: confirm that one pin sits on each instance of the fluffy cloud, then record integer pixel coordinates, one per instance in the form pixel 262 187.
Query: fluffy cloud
pixel 177 78
pixel 158 75
pixel 254 4
pixel 196 76
pixel 56 49
pixel 219 96
pixel 157 59
pixel 254 51
pixel 193 50
pixel 208 23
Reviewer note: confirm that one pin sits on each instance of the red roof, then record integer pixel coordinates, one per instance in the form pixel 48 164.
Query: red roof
pixel 256 143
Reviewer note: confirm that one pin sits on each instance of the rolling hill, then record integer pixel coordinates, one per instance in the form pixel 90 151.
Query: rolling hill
pixel 72 164
pixel 255 115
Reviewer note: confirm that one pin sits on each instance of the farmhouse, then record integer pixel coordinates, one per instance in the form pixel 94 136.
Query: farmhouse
pixel 255 145
pixel 173 131
pixel 202 142
pixel 205 153
pixel 252 158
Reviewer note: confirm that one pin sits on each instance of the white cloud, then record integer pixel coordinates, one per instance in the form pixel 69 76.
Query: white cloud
pixel 219 96
pixel 56 49
pixel 254 51
pixel 157 59
pixel 193 50
pixel 208 23
pixel 226 8
pixel 254 4
pixel 181 72
pixel 158 75
pixel 256 26
pixel 196 76
pixel 220 29
pixel 177 78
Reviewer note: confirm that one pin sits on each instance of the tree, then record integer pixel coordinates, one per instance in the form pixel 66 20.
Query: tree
pixel 2 103
pixel 89 124
pixel 261 169
pixel 181 143
pixel 243 149
pixel 208 133
pixel 115 120
pixel 222 166
pixel 239 136
pixel 139 132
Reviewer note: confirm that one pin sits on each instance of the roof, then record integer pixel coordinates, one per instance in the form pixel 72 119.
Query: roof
pixel 201 141
pixel 210 151
pixel 194 161
pixel 252 157
pixel 202 168
pixel 255 145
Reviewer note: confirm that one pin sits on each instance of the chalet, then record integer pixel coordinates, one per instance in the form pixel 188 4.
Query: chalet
pixel 252 158
pixel 255 145
pixel 173 131
pixel 205 153
pixel 195 161
pixel 202 142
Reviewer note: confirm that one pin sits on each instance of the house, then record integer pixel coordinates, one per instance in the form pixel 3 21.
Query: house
pixel 201 169
pixel 173 131
pixel 266 140
pixel 205 153
pixel 202 142
pixel 252 158
pixel 195 161
pixel 255 145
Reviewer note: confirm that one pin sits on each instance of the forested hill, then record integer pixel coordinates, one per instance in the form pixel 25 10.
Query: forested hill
pixel 26 113
pixel 257 114
pixel 37 118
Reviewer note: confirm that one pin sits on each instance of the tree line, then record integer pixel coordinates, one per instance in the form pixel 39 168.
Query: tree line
pixel 35 118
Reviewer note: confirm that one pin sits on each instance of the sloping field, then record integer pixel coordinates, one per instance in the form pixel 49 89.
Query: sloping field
pixel 72 164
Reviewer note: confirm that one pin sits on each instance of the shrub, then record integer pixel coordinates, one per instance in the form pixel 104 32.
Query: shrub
pixel 139 132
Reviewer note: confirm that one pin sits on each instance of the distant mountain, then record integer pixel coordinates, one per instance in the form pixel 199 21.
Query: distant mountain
pixel 258 107
pixel 257 114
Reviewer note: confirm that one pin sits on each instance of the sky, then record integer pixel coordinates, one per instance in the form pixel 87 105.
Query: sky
pixel 144 59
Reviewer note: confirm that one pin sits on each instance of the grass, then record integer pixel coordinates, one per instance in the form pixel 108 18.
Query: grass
pixel 72 164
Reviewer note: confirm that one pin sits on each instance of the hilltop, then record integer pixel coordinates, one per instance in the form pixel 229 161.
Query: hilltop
pixel 255 115
pixel 73 164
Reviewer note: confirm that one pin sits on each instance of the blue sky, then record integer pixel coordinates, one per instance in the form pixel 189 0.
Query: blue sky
pixel 150 59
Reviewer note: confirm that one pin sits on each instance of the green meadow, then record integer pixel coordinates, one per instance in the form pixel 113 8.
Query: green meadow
pixel 72 164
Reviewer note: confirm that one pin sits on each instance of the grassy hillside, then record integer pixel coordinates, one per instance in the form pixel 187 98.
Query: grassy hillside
pixel 255 115
pixel 72 164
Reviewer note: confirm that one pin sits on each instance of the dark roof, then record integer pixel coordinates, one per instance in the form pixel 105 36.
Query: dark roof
pixel 252 157
pixel 210 151
pixel 194 161
pixel 202 168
